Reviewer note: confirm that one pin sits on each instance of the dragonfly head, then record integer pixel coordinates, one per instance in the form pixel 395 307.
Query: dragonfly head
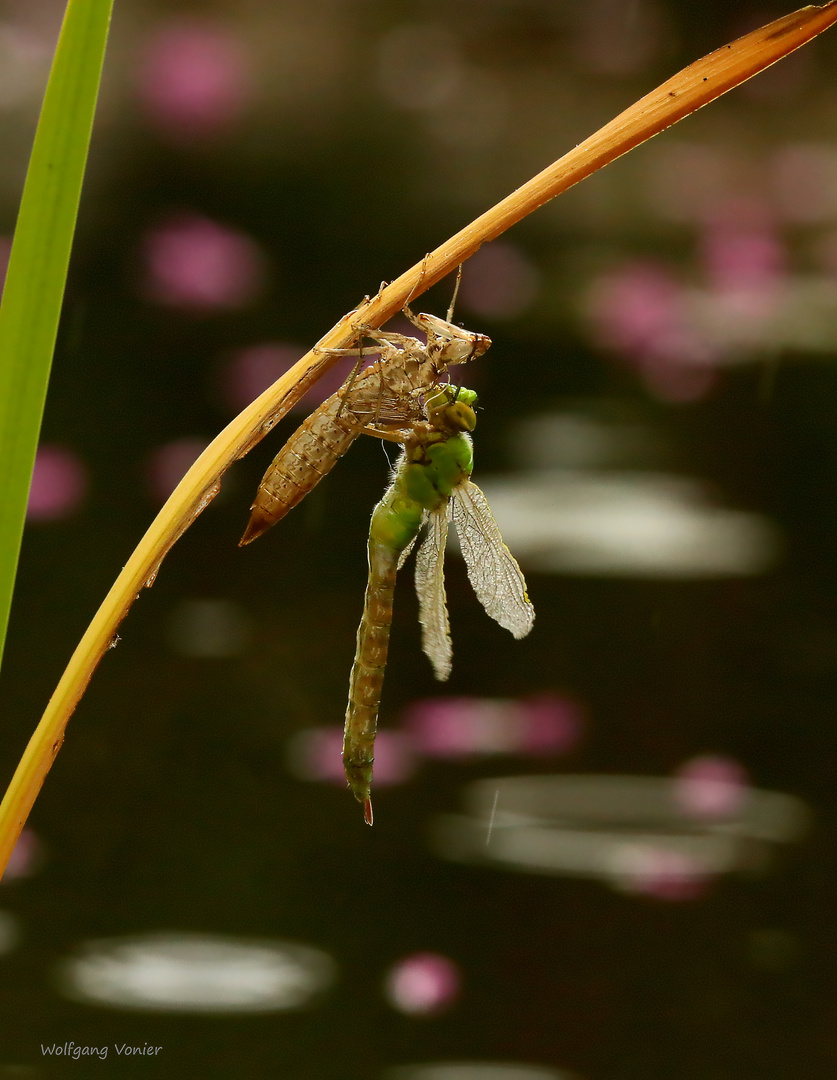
pixel 452 409
pixel 460 416
pixel 451 344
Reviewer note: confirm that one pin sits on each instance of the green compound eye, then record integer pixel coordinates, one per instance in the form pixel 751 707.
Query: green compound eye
pixel 466 396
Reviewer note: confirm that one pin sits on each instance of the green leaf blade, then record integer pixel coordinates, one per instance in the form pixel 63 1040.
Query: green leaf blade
pixel 37 272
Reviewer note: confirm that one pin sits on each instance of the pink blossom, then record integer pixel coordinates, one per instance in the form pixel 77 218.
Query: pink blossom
pixel 194 77
pixel 193 262
pixel 423 984
pixel 710 787
pixel 59 484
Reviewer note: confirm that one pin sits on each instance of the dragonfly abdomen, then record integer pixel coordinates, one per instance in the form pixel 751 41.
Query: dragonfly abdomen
pixel 396 521
pixel 367 678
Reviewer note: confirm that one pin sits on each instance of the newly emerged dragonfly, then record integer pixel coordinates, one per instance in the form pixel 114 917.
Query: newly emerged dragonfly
pixel 386 395
pixel 431 485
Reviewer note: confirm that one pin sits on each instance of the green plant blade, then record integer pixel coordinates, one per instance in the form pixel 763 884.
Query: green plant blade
pixel 37 272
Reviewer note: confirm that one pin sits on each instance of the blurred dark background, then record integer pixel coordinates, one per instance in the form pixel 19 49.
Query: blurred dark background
pixel 658 439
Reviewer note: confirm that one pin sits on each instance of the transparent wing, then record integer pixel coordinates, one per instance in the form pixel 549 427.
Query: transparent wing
pixel 430 586
pixel 493 570
pixel 388 411
pixel 371 401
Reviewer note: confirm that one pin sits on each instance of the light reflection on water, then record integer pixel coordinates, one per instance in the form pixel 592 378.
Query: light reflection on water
pixel 627 524
pixel 632 832
pixel 592 497
pixel 474 1070
pixel 195 973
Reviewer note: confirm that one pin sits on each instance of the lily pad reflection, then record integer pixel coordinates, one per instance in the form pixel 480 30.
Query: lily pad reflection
pixel 474 1070
pixel 174 972
pixel 630 831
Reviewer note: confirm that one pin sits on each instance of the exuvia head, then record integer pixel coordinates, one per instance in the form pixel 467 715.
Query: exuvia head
pixel 451 344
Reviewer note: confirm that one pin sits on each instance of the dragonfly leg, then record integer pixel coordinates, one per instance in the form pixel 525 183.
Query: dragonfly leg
pixel 358 351
pixel 388 338
pixel 393 435
pixel 415 319
pixel 414 290
pixel 391 343
pixel 350 382
pixel 449 315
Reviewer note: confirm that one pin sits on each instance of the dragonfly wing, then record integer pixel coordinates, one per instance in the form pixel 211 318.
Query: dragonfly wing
pixel 371 401
pixel 394 412
pixel 492 569
pixel 430 586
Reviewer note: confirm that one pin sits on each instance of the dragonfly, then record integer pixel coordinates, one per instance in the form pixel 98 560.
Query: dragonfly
pixel 431 486
pixel 386 396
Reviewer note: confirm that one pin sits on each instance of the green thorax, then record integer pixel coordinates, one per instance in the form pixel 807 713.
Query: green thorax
pixel 436 458
pixel 431 471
